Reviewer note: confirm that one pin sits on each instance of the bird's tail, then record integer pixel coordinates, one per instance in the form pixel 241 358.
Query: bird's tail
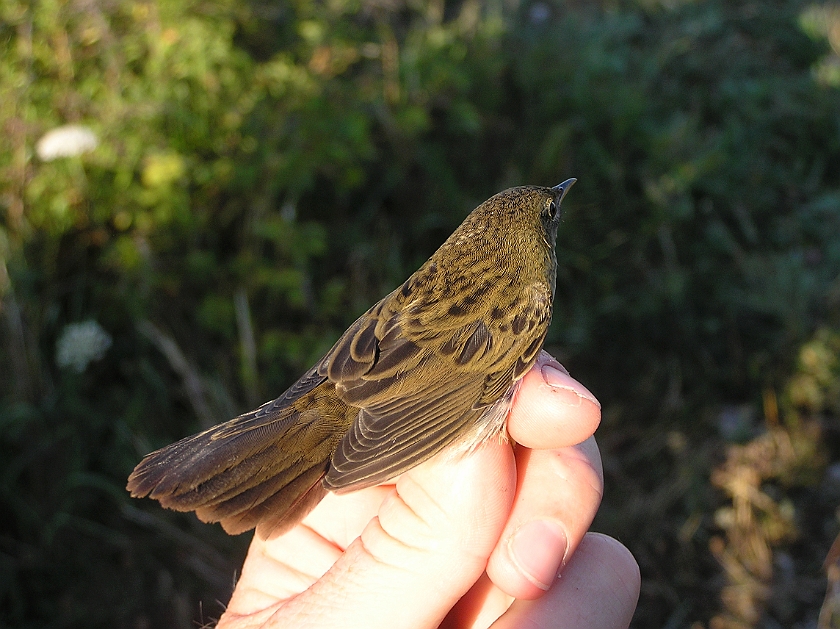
pixel 263 469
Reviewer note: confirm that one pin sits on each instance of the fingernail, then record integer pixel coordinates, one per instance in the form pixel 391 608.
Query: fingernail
pixel 560 380
pixel 538 550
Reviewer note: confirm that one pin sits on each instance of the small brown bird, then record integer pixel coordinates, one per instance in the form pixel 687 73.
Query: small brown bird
pixel 435 363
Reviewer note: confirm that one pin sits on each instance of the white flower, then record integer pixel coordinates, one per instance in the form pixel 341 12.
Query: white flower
pixel 66 141
pixel 81 343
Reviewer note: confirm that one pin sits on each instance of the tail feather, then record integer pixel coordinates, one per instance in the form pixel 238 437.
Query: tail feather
pixel 274 514
pixel 263 469
pixel 277 513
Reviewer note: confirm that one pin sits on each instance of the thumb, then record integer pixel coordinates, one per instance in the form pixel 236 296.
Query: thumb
pixel 428 545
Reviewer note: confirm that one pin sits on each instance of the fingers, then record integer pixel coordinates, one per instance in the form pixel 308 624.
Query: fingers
pixel 427 547
pixel 558 493
pixel 552 410
pixel 559 488
pixel 281 567
pixel 340 518
pixel 599 588
pixel 272 574
pixel 527 510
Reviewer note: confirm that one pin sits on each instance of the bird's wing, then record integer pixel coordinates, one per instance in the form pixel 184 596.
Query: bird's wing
pixel 422 378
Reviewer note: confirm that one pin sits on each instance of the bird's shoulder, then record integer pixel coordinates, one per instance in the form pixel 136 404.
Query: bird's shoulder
pixel 485 327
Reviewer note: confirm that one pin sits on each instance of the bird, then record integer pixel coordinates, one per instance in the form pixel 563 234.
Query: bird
pixel 435 364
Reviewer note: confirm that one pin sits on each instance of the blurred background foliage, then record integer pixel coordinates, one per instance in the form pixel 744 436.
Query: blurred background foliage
pixel 243 178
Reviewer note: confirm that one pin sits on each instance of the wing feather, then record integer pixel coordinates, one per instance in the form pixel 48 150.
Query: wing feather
pixel 425 386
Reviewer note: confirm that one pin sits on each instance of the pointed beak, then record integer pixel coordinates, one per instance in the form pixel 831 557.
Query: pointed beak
pixel 562 188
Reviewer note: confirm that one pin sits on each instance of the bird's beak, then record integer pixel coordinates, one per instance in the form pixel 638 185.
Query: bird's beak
pixel 562 188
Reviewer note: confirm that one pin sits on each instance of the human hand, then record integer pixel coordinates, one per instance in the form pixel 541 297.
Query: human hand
pixel 459 541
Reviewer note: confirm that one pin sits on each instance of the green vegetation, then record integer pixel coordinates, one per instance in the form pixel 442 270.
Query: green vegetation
pixel 265 171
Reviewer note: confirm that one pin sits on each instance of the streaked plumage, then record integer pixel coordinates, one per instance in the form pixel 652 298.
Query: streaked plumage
pixel 434 363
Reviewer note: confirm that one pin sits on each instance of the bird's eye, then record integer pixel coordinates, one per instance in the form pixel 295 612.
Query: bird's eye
pixel 552 210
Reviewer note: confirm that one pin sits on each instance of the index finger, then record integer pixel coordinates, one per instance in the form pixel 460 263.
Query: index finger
pixel 552 409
